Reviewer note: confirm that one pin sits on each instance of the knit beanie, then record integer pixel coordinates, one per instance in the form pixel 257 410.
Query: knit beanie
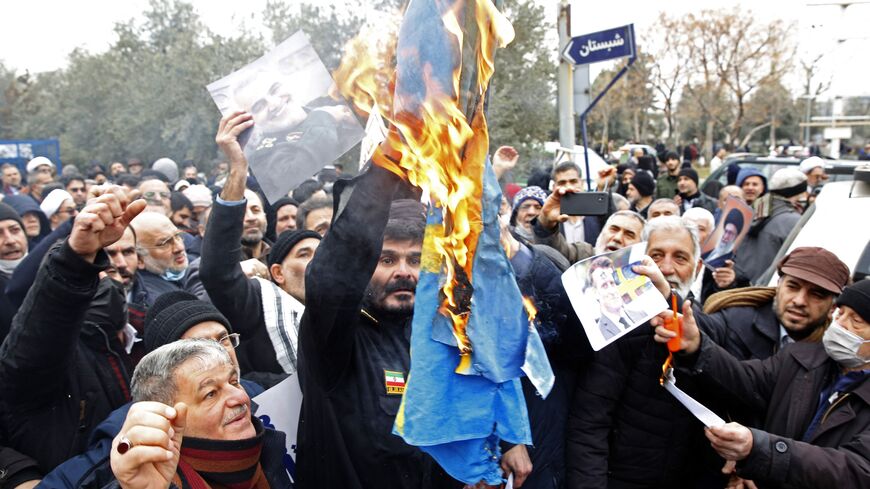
pixel 173 313
pixel 857 296
pixel 7 212
pixel 532 192
pixel 284 201
pixel 690 173
pixel 286 242
pixel 644 183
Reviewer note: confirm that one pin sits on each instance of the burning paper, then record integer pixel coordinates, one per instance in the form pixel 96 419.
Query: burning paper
pixel 301 124
pixel 705 415
pixel 609 298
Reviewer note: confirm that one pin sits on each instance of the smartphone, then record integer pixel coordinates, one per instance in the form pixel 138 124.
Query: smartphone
pixel 585 204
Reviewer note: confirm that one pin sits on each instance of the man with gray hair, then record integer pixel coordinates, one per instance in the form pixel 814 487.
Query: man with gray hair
pixel 622 228
pixel 191 425
pixel 619 391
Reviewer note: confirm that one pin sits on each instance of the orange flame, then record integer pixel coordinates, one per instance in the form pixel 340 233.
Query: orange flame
pixel 665 367
pixel 435 148
pixel 531 310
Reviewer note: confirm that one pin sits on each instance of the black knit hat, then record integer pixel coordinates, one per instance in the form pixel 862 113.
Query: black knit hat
pixel 857 296
pixel 173 313
pixel 644 183
pixel 691 173
pixel 282 202
pixel 7 212
pixel 286 242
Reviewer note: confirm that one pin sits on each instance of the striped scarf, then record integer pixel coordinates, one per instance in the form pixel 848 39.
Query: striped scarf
pixel 219 464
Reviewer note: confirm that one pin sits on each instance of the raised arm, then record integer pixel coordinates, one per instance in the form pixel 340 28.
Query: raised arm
pixel 220 270
pixel 337 277
pixel 45 331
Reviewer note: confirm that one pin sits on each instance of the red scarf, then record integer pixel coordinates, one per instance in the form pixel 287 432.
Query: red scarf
pixel 219 464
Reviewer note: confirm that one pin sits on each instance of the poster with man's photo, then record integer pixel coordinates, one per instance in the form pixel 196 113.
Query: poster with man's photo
pixel 734 223
pixel 301 123
pixel 609 297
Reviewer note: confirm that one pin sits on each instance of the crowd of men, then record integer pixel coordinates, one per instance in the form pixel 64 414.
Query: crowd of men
pixel 144 308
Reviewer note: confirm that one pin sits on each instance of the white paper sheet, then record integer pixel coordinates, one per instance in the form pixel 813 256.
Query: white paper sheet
pixel 705 415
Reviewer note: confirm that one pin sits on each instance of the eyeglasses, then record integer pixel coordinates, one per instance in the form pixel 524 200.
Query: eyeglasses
pixel 175 238
pixel 156 195
pixel 71 212
pixel 231 339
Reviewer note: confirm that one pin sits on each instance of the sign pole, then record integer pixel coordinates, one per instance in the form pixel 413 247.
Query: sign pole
pixel 631 59
pixel 567 133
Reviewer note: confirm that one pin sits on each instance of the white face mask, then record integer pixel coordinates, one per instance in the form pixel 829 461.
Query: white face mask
pixel 842 346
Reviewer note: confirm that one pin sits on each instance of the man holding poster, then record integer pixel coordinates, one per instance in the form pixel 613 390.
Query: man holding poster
pixel 300 123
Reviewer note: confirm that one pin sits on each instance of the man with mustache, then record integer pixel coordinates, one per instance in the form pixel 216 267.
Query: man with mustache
pixel 13 249
pixel 355 340
pixel 191 425
pixel 758 324
pixel 813 396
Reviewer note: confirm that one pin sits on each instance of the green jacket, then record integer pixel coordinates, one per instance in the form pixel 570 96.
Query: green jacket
pixel 666 187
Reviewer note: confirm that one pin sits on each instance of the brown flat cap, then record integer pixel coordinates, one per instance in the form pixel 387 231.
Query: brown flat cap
pixel 816 265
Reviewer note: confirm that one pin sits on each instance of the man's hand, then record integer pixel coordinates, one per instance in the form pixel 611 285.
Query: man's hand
pixel 679 201
pixel 725 276
pixel 732 442
pixel 649 268
pixel 508 242
pixel 735 481
pixel 254 268
pixel 551 213
pixel 504 159
pixel 516 461
pixel 227 138
pixel 154 431
pixel 691 336
pixel 103 221
pixel 606 178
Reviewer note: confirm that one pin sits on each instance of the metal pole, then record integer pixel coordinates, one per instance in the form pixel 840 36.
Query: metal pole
pixel 586 152
pixel 585 113
pixel 567 132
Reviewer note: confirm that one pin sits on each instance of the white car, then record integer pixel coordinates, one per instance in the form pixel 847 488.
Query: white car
pixel 837 222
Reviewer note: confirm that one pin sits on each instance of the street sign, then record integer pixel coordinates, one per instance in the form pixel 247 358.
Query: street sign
pixel 838 133
pixel 600 46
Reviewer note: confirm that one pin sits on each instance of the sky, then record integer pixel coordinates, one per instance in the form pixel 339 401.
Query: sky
pixel 47 30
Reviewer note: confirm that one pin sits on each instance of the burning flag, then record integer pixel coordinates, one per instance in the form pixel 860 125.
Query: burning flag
pixel 472 337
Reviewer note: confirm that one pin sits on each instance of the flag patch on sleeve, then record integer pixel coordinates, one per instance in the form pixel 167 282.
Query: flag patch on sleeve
pixel 395 382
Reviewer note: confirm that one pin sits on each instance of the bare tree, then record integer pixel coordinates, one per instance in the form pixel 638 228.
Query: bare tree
pixel 668 47
pixel 732 54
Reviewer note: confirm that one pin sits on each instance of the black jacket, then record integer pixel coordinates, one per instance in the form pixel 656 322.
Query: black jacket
pixel 345 435
pixel 624 429
pixel 566 346
pixel 61 375
pixel 745 332
pixel 236 296
pixel 786 388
